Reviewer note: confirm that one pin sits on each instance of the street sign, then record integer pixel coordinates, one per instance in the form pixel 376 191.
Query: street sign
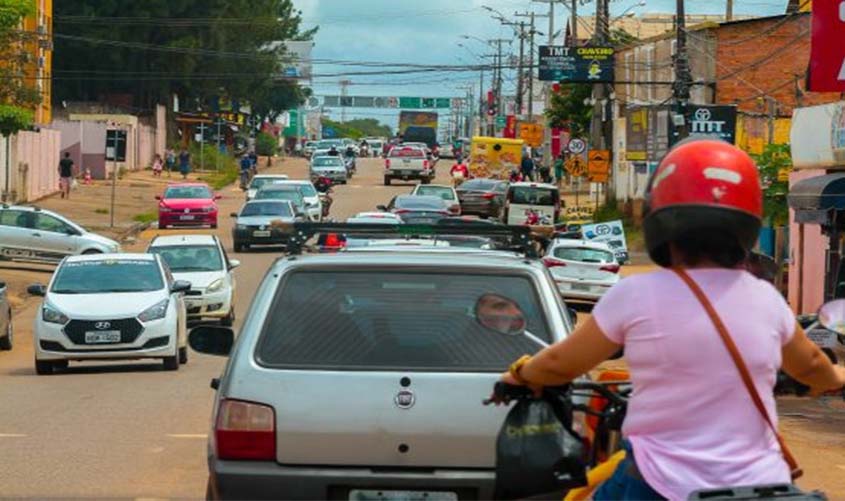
pixel 598 166
pixel 501 122
pixel 576 166
pixel 827 54
pixel 577 146
pixel 576 64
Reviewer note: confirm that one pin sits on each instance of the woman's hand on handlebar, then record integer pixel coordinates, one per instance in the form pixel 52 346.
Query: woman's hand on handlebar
pixel 508 379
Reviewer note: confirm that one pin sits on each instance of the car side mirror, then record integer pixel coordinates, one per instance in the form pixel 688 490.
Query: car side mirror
pixel 158 197
pixel 180 286
pixel 234 214
pixel 382 208
pixel 218 197
pixel 211 340
pixel 37 290
pixel 234 263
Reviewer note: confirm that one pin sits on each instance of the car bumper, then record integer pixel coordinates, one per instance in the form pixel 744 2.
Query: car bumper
pixel 214 305
pixel 198 219
pixel 404 174
pixel 156 340
pixel 248 237
pixel 480 209
pixel 261 480
pixel 576 290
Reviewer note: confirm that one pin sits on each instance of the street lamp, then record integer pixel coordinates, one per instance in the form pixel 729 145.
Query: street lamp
pixel 627 12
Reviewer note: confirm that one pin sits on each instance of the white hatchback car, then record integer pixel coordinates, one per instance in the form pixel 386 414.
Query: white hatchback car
pixel 582 269
pixel 202 261
pixel 313 205
pixel 110 306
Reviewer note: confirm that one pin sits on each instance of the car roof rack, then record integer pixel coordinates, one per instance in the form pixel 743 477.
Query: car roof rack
pixel 520 239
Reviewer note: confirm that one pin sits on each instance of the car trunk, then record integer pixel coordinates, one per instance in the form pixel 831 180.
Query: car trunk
pixel 370 419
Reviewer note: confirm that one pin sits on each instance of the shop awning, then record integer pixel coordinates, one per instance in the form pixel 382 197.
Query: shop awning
pixel 814 198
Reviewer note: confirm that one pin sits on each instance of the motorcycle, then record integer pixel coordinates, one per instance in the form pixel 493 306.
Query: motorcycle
pixel 326 202
pixel 351 166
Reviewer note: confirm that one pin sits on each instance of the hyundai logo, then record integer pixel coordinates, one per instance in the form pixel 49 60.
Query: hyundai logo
pixel 102 325
pixel 405 399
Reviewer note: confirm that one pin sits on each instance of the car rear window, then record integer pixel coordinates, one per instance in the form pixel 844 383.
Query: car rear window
pixel 394 320
pixel 436 191
pixel 327 162
pixel 584 255
pixel 478 184
pixel 526 195
pixel 420 202
pixel 407 153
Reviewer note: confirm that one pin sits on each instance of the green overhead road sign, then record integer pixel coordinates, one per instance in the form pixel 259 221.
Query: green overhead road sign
pixel 410 103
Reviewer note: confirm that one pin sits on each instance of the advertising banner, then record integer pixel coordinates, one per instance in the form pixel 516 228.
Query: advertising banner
pixel 576 64
pixel 612 233
pixel 827 53
pixel 716 122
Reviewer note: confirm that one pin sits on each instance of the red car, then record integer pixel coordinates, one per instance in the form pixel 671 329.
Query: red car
pixel 187 204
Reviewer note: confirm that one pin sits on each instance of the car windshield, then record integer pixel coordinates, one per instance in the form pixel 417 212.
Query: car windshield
pixel 394 320
pixel 188 258
pixel 527 195
pixel 307 189
pixel 188 192
pixel 443 192
pixel 584 255
pixel 108 275
pixel 293 195
pixel 327 162
pixel 420 202
pixel 281 209
pixel 259 182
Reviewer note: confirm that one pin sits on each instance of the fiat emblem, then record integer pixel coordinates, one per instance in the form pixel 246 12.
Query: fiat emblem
pixel 102 325
pixel 405 399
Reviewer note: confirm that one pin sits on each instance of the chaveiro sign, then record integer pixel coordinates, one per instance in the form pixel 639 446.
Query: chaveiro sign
pixel 576 64
pixel 713 122
pixel 827 54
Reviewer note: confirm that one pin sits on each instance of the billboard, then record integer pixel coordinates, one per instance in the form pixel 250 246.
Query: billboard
pixel 712 122
pixel 576 64
pixel 827 54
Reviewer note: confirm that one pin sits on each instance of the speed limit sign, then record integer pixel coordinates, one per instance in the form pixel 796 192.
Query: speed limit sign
pixel 577 146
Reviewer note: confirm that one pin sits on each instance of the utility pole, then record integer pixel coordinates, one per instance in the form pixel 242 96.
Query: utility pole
pixel 531 72
pixel 574 21
pixel 729 10
pixel 520 88
pixel 681 88
pixel 500 101
pixel 344 93
pixel 482 110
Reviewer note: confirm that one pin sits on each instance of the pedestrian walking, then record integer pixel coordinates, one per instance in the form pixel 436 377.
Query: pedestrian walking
pixel 157 165
pixel 184 163
pixel 65 175
pixel 527 167
pixel 170 157
pixel 559 170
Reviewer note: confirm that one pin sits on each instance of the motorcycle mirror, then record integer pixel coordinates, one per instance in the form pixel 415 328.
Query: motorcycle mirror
pixel 832 316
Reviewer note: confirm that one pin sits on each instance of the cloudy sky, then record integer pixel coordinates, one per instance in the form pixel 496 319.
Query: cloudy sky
pixel 428 32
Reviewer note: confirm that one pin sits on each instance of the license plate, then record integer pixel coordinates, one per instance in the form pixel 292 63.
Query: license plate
pixel 580 287
pixel 101 337
pixel 187 218
pixel 374 495
pixel 823 338
pixel 261 233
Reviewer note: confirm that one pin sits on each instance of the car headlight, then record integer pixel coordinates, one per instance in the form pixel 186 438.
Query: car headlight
pixel 51 315
pixel 155 312
pixel 215 286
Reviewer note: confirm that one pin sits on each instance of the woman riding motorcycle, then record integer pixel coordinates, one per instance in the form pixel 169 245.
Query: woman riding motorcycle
pixel 691 424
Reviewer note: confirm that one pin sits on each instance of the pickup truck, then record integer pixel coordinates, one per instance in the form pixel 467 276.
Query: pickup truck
pixel 405 163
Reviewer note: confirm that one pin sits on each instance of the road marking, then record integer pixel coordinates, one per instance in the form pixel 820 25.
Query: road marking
pixel 12 435
pixel 187 435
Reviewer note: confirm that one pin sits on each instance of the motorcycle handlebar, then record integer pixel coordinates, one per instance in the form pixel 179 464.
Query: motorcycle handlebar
pixel 504 392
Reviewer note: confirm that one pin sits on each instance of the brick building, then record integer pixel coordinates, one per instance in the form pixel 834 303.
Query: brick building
pixel 761 64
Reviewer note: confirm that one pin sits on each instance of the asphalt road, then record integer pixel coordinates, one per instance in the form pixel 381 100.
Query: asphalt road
pixel 130 429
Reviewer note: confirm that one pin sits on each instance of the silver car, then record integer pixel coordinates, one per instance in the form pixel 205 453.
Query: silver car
pixel 360 375
pixel 331 167
pixel 254 223
pixel 38 235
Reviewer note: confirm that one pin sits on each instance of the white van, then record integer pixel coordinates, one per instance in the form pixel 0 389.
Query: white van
pixel 524 198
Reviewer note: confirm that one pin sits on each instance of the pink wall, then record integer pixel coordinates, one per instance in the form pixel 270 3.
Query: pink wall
pixel 38 161
pixel 805 296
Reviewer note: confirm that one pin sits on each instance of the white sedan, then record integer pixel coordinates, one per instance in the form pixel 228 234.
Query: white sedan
pixel 110 306
pixel 581 269
pixel 261 180
pixel 202 261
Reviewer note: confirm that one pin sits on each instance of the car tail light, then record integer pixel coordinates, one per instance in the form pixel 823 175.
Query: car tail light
pixel 386 163
pixel 426 165
pixel 553 263
pixel 455 209
pixel 488 196
pixel 612 268
pixel 334 242
pixel 245 431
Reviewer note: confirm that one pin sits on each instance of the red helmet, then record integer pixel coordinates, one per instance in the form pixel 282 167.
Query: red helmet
pixel 702 184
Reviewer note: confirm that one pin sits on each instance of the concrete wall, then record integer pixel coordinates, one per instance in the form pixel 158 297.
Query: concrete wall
pixel 33 163
pixel 807 249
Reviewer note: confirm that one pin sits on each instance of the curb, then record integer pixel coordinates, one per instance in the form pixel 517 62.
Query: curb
pixel 132 231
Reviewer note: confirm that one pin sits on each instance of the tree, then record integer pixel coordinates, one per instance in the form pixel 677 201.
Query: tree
pixel 18 95
pixel 150 50
pixel 568 111
pixel 775 160
pixel 273 97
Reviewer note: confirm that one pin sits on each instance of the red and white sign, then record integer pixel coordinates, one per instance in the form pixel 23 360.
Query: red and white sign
pixel 827 57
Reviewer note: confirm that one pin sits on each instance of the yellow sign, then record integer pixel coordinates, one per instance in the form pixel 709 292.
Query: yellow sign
pixel 576 166
pixel 532 134
pixel 598 167
pixel 578 212
pixel 783 175
pixel 494 157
